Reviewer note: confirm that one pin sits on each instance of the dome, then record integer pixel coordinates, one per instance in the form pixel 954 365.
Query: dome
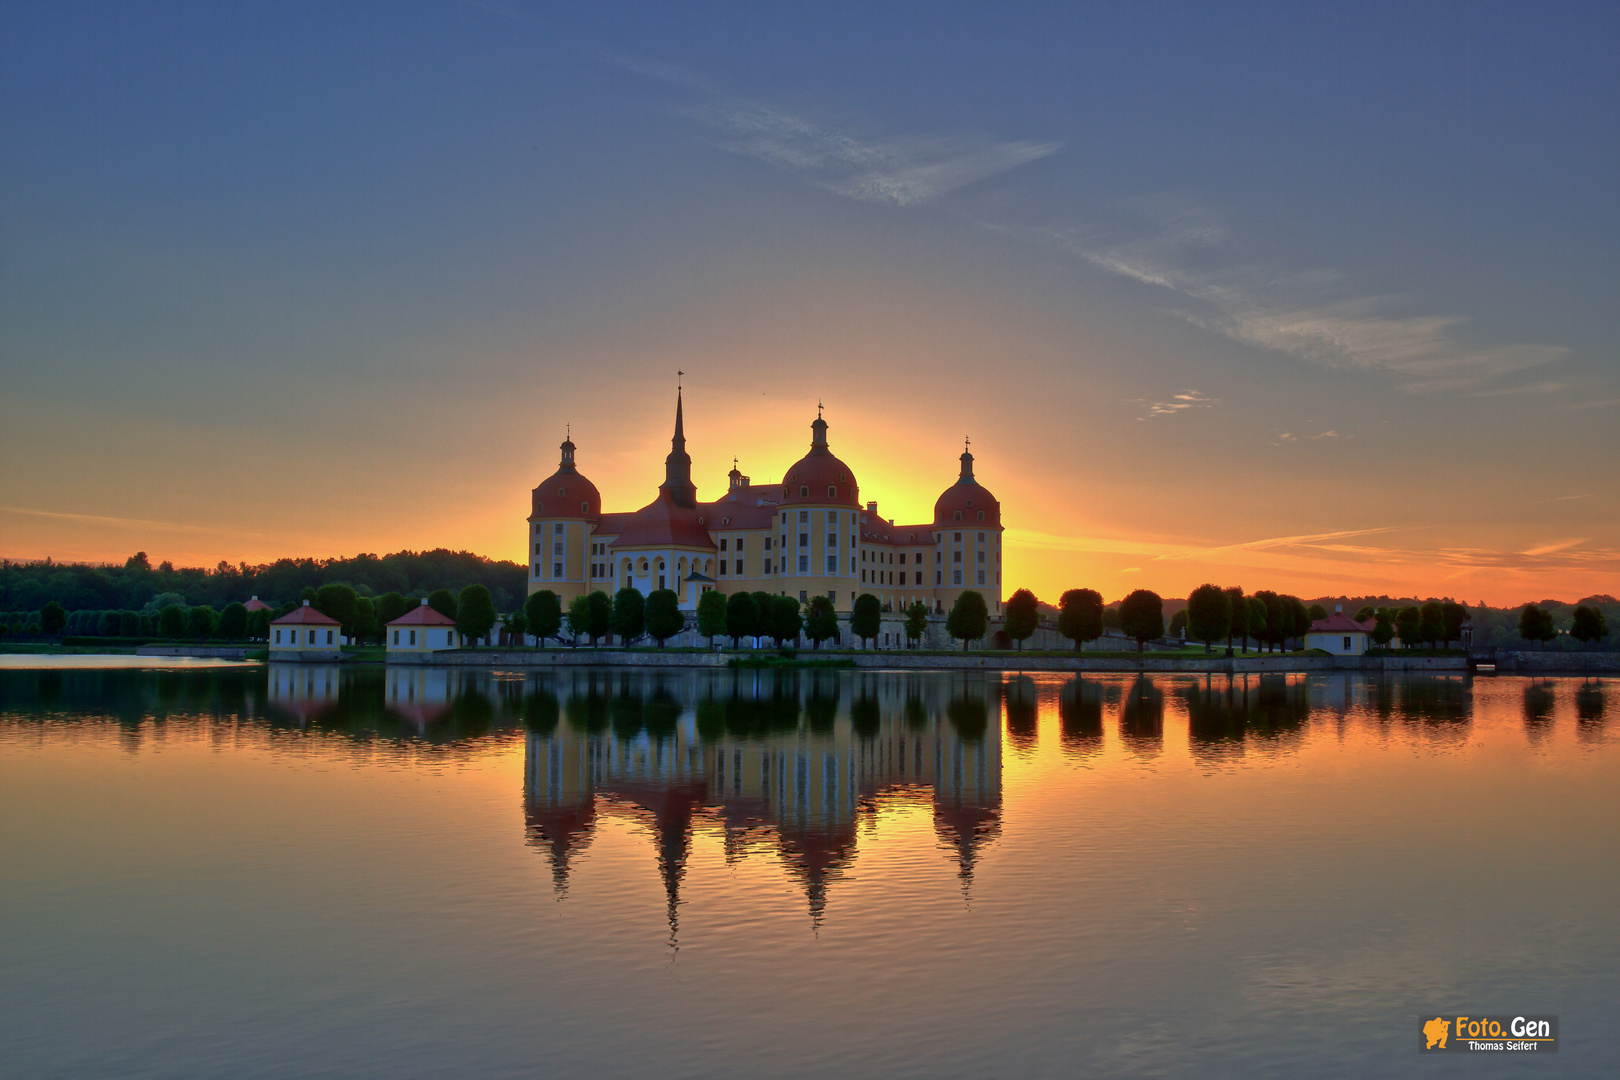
pixel 565 493
pixel 819 478
pixel 966 501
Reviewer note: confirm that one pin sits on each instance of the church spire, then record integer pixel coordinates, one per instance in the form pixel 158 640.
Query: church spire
pixel 678 465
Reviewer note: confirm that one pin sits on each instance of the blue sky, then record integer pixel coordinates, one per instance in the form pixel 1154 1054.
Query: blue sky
pixel 1308 295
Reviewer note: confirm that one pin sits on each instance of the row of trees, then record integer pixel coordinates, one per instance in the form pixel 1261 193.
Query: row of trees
pixel 28 586
pixel 1588 625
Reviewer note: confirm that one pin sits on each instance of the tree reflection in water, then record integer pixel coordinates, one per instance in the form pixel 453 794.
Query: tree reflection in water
pixel 1141 718
pixel 1080 716
pixel 1023 713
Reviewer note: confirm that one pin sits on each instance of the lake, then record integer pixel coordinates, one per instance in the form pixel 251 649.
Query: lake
pixel 252 871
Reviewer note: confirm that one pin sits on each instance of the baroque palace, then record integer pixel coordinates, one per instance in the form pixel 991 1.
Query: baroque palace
pixel 807 536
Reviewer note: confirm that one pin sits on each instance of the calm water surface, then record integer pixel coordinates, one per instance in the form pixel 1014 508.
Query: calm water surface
pixel 308 871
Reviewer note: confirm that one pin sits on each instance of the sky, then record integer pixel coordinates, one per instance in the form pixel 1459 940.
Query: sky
pixel 1315 298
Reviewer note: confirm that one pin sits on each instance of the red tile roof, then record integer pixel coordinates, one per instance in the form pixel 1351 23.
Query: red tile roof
pixel 304 615
pixel 422 615
pixel 1339 623
pixel 664 522
pixel 256 604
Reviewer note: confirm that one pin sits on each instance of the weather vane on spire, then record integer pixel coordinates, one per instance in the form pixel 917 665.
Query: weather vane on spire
pixel 967 444
pixel 818 408
pixel 678 377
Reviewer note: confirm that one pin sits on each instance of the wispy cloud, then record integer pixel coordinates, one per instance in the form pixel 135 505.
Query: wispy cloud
pixel 901 171
pixel 1183 249
pixel 1556 546
pixel 1187 399
pixel 98 519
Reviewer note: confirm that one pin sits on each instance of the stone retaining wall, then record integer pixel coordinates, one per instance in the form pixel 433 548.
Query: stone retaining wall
pixel 911 661
pixel 1564 663
pixel 217 652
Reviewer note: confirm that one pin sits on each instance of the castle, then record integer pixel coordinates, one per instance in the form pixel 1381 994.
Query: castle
pixel 807 536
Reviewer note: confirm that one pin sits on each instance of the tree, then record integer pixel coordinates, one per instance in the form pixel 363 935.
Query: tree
pixel 233 621
pixel 629 615
pixel 1409 625
pixel 52 618
pixel 969 618
pixel 172 621
pixel 258 624
pixel 664 616
pixel 138 561
pixel 389 606
pixel 1239 626
pixel 1589 625
pixel 916 620
pixel 762 616
pixel 1383 631
pixel 1316 611
pixel 1536 624
pixel 1209 615
pixel 365 625
pixel 822 622
pixel 711 615
pixel 600 607
pixel 514 626
pixel 1141 616
pixel 1178 625
pixel 742 615
pixel 1276 623
pixel 1299 620
pixel 1080 616
pixel 579 616
pixel 1431 623
pixel 475 612
pixel 542 611
pixel 443 601
pixel 1366 612
pixel 1455 616
pixel 1023 616
pixel 338 602
pixel 786 621
pixel 200 621
pixel 108 624
pixel 866 618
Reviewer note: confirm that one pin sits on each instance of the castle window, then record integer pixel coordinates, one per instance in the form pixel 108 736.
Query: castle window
pixel 784 513
pixel 956 515
pixel 832 564
pixel 537 570
pixel 722 543
pixel 919 577
pixel 804 564
pixel 981 556
pixel 832 541
pixel 557 548
pixel 803 596
pixel 981 577
pixel 804 540
pixel 537 546
pixel 804 516
pixel 970 504
pixel 956 577
pixel 556 570
pixel 584 507
pixel 939 577
pixel 538 528
pixel 804 491
pixel 902 558
pixel 767 543
pixel 832 491
pixel 956 538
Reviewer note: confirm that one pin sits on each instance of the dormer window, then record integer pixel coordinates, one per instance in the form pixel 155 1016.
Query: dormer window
pixel 843 478
pixel 804 491
pixel 956 515
pixel 970 504
pixel 981 515
pixel 832 491
pixel 584 508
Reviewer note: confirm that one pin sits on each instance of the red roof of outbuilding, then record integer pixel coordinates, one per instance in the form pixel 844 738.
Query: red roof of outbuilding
pixel 422 615
pixel 1338 623
pixel 256 604
pixel 305 615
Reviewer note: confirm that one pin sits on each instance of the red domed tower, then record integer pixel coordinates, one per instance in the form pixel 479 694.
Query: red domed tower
pixel 819 524
pixel 562 510
pixel 967 537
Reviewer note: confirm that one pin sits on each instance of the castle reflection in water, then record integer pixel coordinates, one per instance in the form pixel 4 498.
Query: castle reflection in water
pixel 784 762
